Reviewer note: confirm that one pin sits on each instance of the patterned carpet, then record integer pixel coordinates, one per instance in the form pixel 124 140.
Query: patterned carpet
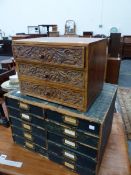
pixel 124 97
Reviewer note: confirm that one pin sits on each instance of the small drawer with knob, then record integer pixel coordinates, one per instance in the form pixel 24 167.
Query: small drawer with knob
pixel 29 136
pixel 63 131
pixel 51 55
pixel 27 117
pixel 76 157
pixel 70 164
pixel 73 145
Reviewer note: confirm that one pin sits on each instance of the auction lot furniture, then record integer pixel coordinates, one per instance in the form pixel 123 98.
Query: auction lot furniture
pixel 126 51
pixel 115 160
pixel 112 70
pixel 42 28
pixel 114 46
pixel 68 71
pixel 5 47
pixel 64 135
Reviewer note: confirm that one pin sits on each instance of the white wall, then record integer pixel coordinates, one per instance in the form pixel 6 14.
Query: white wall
pixel 16 15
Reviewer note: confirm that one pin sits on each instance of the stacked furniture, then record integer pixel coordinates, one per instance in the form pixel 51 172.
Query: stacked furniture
pixel 112 70
pixel 114 58
pixel 126 49
pixel 69 72
pixel 114 46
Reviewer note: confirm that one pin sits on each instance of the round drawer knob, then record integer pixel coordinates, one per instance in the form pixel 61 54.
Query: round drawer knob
pixel 42 56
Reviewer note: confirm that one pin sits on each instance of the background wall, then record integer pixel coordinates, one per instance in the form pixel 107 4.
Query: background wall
pixel 16 15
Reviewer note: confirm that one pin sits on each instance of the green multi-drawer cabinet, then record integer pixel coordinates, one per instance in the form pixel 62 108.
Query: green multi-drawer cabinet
pixel 62 134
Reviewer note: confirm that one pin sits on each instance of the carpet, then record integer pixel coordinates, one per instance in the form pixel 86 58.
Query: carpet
pixel 124 97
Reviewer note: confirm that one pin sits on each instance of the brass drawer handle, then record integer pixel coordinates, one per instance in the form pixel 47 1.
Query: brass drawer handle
pixel 25 126
pixel 69 143
pixel 69 132
pixel 29 145
pixel 69 155
pixel 25 116
pixel 28 136
pixel 69 165
pixel 23 106
pixel 71 120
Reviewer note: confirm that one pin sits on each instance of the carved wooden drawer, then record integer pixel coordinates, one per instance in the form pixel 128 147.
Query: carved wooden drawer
pixel 64 56
pixel 68 71
pixel 66 77
pixel 52 93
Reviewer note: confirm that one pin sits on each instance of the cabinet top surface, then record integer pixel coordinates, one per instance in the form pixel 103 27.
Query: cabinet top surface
pixel 97 111
pixel 59 40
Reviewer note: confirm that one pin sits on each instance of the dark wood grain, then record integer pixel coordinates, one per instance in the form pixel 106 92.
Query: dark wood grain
pixel 126 50
pixel 112 70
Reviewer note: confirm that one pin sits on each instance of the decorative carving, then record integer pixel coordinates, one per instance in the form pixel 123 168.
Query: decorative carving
pixel 63 96
pixel 59 75
pixel 51 55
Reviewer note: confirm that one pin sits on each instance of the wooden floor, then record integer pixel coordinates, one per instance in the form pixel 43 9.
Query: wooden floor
pixel 115 161
pixel 124 97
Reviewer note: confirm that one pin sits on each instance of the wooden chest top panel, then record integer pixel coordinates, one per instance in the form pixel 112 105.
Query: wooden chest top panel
pixel 70 41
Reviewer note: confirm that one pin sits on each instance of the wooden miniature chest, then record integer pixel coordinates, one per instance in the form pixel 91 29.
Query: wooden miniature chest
pixel 65 135
pixel 68 71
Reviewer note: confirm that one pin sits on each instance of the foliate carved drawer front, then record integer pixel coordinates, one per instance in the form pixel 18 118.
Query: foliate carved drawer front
pixel 70 77
pixel 62 95
pixel 68 56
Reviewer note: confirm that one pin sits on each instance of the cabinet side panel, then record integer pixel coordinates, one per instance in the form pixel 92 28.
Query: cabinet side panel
pixel 96 69
pixel 105 130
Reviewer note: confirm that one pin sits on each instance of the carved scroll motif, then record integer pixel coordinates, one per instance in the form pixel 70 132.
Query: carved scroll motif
pixel 60 95
pixel 50 55
pixel 64 76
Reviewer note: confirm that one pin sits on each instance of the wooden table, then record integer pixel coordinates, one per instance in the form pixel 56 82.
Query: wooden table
pixel 115 161
pixel 6 86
